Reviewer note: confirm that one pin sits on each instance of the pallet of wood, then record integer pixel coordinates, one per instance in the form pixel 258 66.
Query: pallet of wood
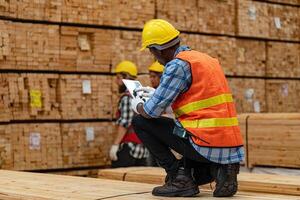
pixel 265 20
pixel 199 16
pixel 267 183
pixel 249 94
pixel 86 144
pixel 85 96
pixel 273 140
pixel 36 146
pixel 283 59
pixel 33 96
pixel 283 95
pixel 37 186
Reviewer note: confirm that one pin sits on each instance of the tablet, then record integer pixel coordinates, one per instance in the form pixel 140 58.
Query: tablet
pixel 131 85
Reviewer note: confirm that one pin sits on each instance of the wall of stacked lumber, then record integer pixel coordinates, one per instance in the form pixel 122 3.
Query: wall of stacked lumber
pixel 37 146
pixel 58 59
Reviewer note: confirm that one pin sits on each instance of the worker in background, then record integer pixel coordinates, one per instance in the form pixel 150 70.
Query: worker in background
pixel 127 149
pixel 205 131
pixel 155 72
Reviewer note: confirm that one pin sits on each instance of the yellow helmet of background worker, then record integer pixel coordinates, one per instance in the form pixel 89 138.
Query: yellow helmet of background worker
pixel 127 67
pixel 158 32
pixel 156 67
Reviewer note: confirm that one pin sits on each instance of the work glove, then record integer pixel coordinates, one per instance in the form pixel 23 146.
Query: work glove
pixel 145 92
pixel 134 103
pixel 113 152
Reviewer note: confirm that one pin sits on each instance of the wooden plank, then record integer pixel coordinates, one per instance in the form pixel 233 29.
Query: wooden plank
pixel 266 183
pixel 283 59
pixel 33 186
pixel 283 95
pixel 82 97
pixel 86 144
pixel 273 140
pixel 249 94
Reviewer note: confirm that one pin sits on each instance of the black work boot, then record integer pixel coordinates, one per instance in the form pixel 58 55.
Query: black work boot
pixel 180 184
pixel 226 179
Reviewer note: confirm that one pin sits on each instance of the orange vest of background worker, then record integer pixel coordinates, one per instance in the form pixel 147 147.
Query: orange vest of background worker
pixel 127 149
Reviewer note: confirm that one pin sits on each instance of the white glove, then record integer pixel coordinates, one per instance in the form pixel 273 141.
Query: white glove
pixel 147 92
pixel 135 102
pixel 113 152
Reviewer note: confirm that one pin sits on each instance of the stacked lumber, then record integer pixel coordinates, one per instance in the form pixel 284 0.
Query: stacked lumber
pixel 283 59
pixel 92 173
pixel 116 13
pixel 33 10
pixel 126 46
pixel 283 95
pixel 249 94
pixel 144 79
pixel 86 144
pixel 33 96
pixel 250 58
pixel 85 96
pixel 5 114
pixel 260 19
pixel 284 22
pixel 252 18
pixel 40 186
pixel 29 46
pixel 199 16
pixel 267 183
pixel 85 49
pixel 273 140
pixel 36 146
pixel 6 159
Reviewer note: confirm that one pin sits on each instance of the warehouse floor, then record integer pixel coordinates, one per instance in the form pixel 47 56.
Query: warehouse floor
pixel 34 186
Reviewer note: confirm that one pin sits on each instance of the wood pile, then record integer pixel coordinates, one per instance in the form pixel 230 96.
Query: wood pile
pixel 36 146
pixel 86 144
pixel 267 183
pixel 283 95
pixel 199 15
pixel 283 59
pixel 249 94
pixel 273 140
pixel 85 96
pixel 260 19
pixel 41 186
pixel 291 2
pixel 33 96
pixel 29 46
pixel 5 114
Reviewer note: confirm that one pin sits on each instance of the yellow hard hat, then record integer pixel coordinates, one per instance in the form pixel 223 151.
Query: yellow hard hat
pixel 128 67
pixel 156 67
pixel 158 32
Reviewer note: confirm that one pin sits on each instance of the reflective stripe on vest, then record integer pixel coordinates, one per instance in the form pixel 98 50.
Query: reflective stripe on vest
pixel 205 103
pixel 209 123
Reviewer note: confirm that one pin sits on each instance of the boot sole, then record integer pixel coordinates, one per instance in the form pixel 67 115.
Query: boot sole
pixel 183 193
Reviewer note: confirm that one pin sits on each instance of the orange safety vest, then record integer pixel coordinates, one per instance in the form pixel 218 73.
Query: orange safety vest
pixel 206 110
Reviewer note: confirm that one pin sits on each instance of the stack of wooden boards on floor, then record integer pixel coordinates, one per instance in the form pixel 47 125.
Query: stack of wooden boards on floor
pixel 267 183
pixel 271 139
pixel 33 186
pixel 58 95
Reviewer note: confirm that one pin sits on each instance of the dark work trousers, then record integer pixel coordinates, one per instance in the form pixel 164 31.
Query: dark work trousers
pixel 126 160
pixel 157 135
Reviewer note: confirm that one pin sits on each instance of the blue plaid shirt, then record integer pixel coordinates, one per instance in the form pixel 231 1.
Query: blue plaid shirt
pixel 175 80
